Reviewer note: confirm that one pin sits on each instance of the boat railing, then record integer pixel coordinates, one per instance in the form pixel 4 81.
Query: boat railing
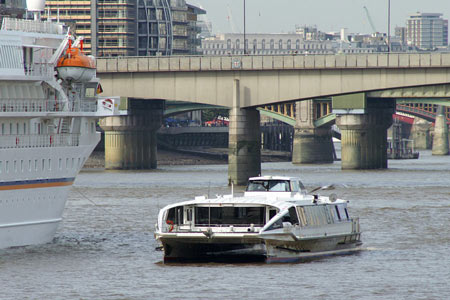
pixel 31 105
pixel 40 69
pixel 39 140
pixel 32 26
pixel 45 105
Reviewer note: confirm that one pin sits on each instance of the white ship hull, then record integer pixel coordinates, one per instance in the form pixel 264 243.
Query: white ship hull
pixel 31 216
pixel 32 202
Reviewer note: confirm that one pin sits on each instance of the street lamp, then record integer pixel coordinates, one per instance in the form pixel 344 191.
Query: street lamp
pixel 389 26
pixel 245 44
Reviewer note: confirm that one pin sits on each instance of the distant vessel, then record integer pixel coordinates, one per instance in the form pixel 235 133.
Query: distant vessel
pixel 48 124
pixel 275 221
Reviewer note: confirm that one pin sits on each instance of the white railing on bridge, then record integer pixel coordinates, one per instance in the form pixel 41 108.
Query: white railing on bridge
pixel 39 140
pixel 273 62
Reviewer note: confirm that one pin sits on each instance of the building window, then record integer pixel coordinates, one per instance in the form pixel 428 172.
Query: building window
pixel 289 44
pixel 272 44
pixel 280 44
pixel 297 44
pixel 238 44
pixel 228 44
pixel 263 44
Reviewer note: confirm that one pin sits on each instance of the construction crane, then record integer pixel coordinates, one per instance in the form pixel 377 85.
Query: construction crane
pixel 230 20
pixel 370 20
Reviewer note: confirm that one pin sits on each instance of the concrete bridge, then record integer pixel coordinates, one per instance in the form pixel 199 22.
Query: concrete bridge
pixel 362 86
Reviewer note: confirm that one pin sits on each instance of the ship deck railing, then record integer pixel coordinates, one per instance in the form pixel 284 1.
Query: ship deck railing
pixel 40 69
pixel 39 140
pixel 32 26
pixel 45 105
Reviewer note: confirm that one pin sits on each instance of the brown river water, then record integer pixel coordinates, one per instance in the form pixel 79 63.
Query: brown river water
pixel 105 248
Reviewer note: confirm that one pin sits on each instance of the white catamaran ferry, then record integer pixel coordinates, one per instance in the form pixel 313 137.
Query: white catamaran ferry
pixel 275 221
pixel 48 113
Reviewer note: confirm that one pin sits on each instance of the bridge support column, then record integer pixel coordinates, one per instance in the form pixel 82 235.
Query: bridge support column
pixel 130 140
pixel 440 135
pixel 311 145
pixel 420 134
pixel 364 138
pixel 244 143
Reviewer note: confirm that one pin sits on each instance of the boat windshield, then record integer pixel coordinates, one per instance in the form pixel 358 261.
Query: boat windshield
pixel 268 186
pixel 220 216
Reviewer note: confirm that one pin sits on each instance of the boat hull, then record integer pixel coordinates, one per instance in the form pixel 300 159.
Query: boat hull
pixel 32 205
pixel 213 250
pixel 30 216
pixel 257 250
pixel 304 250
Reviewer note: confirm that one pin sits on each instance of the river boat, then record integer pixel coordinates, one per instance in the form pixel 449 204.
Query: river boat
pixel 48 117
pixel 274 221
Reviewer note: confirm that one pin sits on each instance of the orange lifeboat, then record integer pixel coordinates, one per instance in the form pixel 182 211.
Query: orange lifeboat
pixel 75 66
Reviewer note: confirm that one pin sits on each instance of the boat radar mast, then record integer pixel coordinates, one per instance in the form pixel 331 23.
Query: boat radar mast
pixel 36 7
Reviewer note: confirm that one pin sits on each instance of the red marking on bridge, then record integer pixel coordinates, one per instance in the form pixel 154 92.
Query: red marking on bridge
pixel 403 119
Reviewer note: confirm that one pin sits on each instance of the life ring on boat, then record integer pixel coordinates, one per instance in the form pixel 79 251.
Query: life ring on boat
pixel 169 222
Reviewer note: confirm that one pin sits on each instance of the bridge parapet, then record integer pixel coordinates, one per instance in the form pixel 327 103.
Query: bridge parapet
pixel 272 62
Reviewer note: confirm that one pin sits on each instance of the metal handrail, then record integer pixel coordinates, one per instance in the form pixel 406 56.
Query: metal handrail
pixel 44 105
pixel 39 140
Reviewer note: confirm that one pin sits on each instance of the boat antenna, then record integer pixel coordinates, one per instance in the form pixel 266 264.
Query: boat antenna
pixel 209 188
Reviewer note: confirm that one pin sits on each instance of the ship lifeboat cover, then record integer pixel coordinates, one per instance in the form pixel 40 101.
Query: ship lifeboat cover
pixel 75 66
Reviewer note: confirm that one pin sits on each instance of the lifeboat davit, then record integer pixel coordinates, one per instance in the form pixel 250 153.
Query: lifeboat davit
pixel 75 66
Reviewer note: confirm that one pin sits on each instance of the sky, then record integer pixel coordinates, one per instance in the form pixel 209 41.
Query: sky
pixel 281 16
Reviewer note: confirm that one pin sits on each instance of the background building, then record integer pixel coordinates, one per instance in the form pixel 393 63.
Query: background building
pixel 130 27
pixel 14 8
pixel 427 31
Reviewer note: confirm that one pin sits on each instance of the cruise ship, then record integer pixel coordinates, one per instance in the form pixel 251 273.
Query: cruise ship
pixel 48 113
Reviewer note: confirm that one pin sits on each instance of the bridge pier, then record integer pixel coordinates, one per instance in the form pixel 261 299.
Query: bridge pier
pixel 440 135
pixel 363 131
pixel 420 134
pixel 244 143
pixel 130 140
pixel 311 145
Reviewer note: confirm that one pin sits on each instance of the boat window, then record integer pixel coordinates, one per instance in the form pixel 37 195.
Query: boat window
pixel 176 215
pixel 216 216
pixel 279 186
pixel 276 225
pixel 294 186
pixel 302 215
pixel 90 92
pixel 272 213
pixel 268 185
pixel 293 216
pixel 316 215
pixel 341 212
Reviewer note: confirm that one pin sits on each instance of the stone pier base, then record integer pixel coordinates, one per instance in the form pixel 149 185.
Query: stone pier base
pixel 440 135
pixel 364 139
pixel 313 145
pixel 420 134
pixel 244 143
pixel 130 140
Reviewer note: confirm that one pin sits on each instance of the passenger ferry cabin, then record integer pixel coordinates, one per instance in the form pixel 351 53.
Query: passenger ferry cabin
pixel 280 223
